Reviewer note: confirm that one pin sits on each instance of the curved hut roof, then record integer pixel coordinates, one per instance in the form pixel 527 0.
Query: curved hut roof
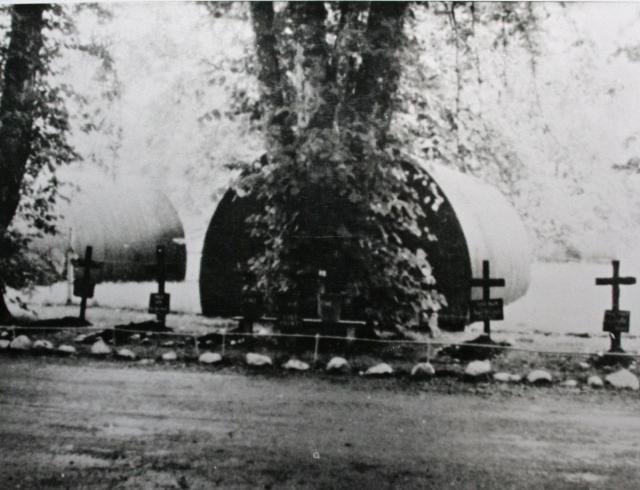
pixel 470 220
pixel 124 224
pixel 492 231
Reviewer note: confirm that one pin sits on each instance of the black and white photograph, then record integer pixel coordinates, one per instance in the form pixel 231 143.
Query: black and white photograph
pixel 319 245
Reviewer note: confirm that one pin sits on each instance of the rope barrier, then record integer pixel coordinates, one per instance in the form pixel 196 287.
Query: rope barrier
pixel 129 262
pixel 317 337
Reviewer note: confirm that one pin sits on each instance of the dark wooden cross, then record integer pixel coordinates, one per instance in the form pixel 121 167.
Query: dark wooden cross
pixel 487 309
pixel 159 303
pixel 251 309
pixel 616 320
pixel 289 312
pixel 84 286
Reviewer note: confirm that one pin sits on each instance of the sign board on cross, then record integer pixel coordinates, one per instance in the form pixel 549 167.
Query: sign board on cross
pixel 84 287
pixel 492 309
pixel 159 303
pixel 616 321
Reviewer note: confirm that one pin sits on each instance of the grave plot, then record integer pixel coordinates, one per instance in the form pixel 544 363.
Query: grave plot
pixel 109 232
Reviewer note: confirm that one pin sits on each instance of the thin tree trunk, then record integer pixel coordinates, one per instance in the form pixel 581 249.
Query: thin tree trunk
pixel 278 118
pixel 16 108
pixel 379 74
pixel 346 57
pixel 319 98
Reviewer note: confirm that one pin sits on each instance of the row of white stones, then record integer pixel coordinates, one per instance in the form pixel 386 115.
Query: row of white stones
pixel 479 370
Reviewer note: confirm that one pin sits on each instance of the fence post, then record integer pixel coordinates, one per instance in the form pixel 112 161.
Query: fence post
pixel 315 348
pixel 224 336
pixel 195 342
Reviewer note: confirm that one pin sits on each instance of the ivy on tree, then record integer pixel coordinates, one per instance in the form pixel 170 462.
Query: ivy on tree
pixel 334 181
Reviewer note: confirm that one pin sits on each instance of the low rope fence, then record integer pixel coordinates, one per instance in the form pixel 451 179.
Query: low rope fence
pixel 227 337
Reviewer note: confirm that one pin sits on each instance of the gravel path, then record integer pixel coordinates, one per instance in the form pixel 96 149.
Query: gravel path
pixel 68 425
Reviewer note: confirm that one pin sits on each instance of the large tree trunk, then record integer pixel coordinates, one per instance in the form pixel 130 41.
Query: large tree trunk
pixel 16 107
pixel 22 65
pixel 332 70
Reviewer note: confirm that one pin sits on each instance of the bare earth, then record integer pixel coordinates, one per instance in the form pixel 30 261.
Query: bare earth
pixel 64 424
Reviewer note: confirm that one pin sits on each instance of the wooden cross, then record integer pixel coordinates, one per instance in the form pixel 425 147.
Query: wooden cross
pixel 289 313
pixel 84 286
pixel 159 303
pixel 251 309
pixel 616 321
pixel 487 309
pixel 321 290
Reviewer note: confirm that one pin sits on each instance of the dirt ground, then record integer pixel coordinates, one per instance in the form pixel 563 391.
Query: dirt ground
pixel 69 424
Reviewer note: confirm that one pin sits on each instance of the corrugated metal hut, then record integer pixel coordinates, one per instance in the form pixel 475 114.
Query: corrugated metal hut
pixel 471 220
pixel 123 224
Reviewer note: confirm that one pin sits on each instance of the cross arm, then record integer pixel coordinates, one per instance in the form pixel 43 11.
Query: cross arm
pixel 488 282
pixel 83 263
pixel 610 281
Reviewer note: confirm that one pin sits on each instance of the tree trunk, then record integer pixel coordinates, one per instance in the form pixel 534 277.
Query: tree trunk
pixel 319 96
pixel 16 107
pixel 23 63
pixel 279 133
pixel 379 74
pixel 6 318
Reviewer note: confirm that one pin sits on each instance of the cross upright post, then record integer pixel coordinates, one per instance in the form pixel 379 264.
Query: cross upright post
pixel 69 255
pixel 486 309
pixel 616 321
pixel 162 316
pixel 322 279
pixel 87 278
pixel 159 303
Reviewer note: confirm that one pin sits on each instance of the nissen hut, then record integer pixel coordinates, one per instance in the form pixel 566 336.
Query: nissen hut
pixel 124 224
pixel 471 220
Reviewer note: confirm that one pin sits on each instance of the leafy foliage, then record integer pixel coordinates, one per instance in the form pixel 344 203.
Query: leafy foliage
pixel 335 184
pixel 351 216
pixel 55 108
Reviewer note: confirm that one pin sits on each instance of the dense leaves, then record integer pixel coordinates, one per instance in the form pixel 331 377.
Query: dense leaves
pixel 334 182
